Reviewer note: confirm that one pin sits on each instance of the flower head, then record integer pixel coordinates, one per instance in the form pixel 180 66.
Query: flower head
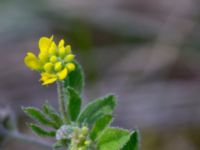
pixel 54 62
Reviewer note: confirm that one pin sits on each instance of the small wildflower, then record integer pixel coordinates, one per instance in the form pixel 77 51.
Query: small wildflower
pixel 54 62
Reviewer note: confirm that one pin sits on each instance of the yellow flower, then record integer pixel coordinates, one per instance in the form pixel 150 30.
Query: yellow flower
pixel 54 62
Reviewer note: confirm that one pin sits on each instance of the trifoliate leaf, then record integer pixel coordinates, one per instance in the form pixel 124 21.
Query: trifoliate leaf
pixel 99 126
pixel 47 108
pixel 55 119
pixel 36 114
pixel 52 115
pixel 113 139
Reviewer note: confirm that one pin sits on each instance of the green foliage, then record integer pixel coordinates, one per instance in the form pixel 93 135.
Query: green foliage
pixel 47 108
pixel 47 116
pixel 96 109
pixel 90 125
pixel 50 112
pixel 99 126
pixel 41 132
pixel 113 139
pixel 74 104
pixel 60 144
pixel 75 79
pixel 133 143
pixel 39 116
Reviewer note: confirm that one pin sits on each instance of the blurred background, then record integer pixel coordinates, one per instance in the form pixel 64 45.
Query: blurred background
pixel 146 52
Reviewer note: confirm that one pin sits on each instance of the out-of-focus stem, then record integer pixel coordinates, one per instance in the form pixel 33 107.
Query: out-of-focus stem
pixel 62 101
pixel 30 140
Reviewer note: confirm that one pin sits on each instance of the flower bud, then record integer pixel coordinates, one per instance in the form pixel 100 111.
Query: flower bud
pixel 61 52
pixel 84 130
pixel 61 43
pixel 87 143
pixel 52 50
pixel 68 49
pixel 69 58
pixel 58 66
pixel 53 59
pixel 48 67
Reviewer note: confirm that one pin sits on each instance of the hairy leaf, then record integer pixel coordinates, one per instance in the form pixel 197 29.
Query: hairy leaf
pixel 56 119
pixel 74 104
pixel 113 139
pixel 52 115
pixel 38 116
pixel 133 143
pixel 41 132
pixel 99 126
pixel 47 108
pixel 96 109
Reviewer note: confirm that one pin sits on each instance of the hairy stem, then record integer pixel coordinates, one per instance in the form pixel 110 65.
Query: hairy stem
pixel 29 140
pixel 62 101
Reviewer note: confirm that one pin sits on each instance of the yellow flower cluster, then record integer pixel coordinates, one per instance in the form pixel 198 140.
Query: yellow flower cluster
pixel 54 62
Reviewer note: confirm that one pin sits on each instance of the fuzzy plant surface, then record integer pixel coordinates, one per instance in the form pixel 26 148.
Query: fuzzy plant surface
pixel 73 128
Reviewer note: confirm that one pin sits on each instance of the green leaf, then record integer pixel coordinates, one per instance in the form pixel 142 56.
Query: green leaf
pixel 47 108
pixel 113 139
pixel 38 116
pixel 41 132
pixel 52 115
pixel 75 79
pixel 74 104
pixel 60 143
pixel 99 126
pixel 56 119
pixel 96 109
pixel 57 145
pixel 133 143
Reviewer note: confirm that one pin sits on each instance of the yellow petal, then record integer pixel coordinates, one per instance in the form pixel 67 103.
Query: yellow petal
pixel 62 74
pixel 48 67
pixel 53 59
pixel 47 78
pixel 43 56
pixel 45 43
pixel 32 61
pixel 61 43
pixel 52 49
pixel 49 81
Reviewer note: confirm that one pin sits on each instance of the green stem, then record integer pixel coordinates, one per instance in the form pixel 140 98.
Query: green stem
pixel 62 101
